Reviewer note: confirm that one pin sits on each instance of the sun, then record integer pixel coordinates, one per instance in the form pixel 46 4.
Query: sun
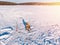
pixel 50 3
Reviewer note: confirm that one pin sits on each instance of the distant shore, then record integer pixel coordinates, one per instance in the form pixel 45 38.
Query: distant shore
pixel 29 3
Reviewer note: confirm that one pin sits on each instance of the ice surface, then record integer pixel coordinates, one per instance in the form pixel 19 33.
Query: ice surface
pixel 23 37
pixel 45 29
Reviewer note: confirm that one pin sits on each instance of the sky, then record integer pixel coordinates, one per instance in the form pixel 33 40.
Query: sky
pixel 19 1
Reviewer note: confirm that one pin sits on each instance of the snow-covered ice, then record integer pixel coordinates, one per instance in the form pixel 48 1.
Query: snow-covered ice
pixel 44 23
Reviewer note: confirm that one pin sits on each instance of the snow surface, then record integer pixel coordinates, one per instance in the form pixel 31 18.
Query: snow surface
pixel 45 25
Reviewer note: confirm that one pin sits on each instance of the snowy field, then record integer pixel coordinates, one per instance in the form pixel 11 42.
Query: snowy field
pixel 44 22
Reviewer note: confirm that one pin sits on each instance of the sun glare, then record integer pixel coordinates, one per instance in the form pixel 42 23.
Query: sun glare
pixel 51 3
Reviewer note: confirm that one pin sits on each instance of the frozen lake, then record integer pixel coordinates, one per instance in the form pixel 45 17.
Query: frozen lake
pixel 43 14
pixel 42 18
